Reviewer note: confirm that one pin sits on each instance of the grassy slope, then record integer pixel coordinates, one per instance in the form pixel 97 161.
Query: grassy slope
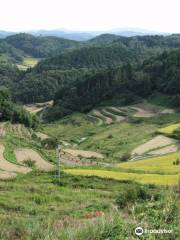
pixel 112 140
pixel 115 141
pixel 37 208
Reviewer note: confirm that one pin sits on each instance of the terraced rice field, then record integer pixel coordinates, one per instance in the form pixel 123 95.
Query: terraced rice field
pixel 18 130
pixel 99 115
pixel 169 129
pixel 159 170
pixel 162 164
pixel 28 62
pixel 12 164
pixel 142 178
pixel 157 142
pixel 37 107
pixel 165 150
pixel 112 114
pixel 11 167
pixel 42 136
pixel 24 154
pixel 107 115
pixel 7 175
pixel 81 153
pixel 140 112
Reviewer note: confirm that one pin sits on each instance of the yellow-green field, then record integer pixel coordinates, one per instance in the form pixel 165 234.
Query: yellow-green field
pixel 27 63
pixel 163 164
pixel 142 178
pixel 160 171
pixel 169 129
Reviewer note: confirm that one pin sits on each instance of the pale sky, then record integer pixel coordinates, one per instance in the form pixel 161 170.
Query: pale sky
pixel 86 15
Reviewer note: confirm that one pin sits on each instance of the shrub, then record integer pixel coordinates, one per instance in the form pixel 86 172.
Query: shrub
pixel 125 157
pixel 30 163
pixel 49 143
pixel 132 194
pixel 110 136
pixel 177 162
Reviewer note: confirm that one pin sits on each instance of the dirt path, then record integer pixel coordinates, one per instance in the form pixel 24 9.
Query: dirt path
pixel 11 167
pixel 24 154
pixel 156 142
pixel 86 154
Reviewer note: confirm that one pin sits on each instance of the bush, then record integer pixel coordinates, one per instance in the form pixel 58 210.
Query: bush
pixel 49 143
pixel 177 162
pixel 30 163
pixel 132 194
pixel 125 157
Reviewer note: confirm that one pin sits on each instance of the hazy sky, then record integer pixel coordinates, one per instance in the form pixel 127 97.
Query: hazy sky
pixel 159 15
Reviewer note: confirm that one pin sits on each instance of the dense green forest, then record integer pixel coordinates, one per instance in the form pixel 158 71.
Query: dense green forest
pixel 16 46
pixel 9 54
pixel 40 47
pixel 90 57
pixel 13 112
pixel 158 74
pixel 39 87
pixel 9 75
pixel 96 70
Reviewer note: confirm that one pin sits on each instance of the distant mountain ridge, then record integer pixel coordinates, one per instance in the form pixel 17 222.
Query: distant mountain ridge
pixel 4 34
pixel 85 35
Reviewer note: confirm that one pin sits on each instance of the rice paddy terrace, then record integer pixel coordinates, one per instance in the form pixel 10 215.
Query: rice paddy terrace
pixel 152 156
pixel 114 114
pixel 19 153
pixel 28 62
pixel 99 162
pixel 101 139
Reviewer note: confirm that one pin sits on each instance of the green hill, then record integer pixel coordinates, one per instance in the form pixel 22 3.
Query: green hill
pixel 90 57
pixel 40 47
pixel 70 61
pixel 9 54
pixel 126 84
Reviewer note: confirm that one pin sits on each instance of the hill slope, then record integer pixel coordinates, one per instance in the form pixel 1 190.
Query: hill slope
pixel 40 47
pixel 159 74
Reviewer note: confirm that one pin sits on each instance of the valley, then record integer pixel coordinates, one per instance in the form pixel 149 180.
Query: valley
pixel 112 105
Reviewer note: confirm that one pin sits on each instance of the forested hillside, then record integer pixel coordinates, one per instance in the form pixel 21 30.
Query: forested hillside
pixel 40 47
pixel 68 62
pixel 14 113
pixel 90 57
pixel 40 87
pixel 9 54
pixel 9 75
pixel 158 74
pixel 152 42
